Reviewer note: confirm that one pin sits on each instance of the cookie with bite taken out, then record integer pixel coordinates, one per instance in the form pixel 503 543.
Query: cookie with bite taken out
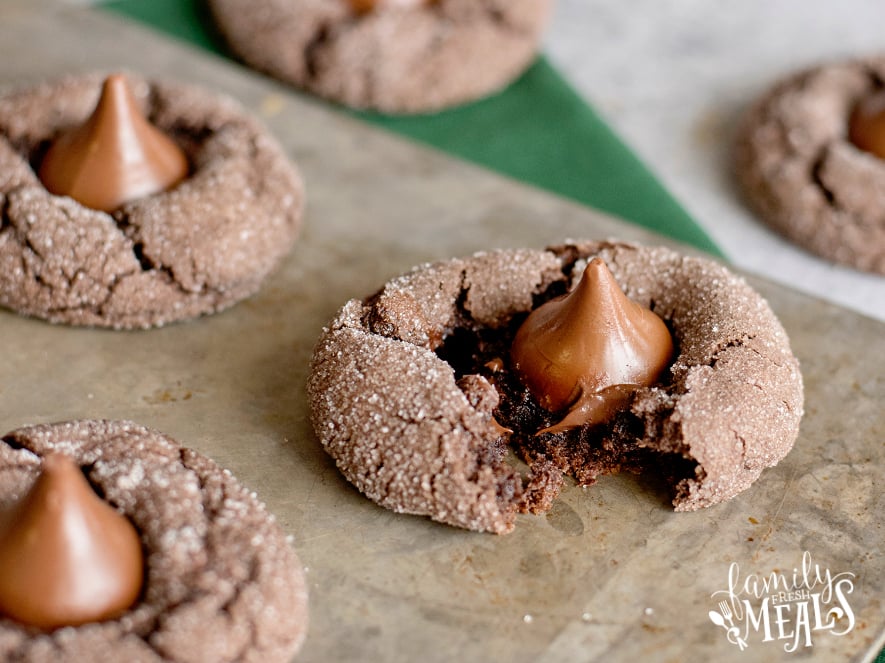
pixel 585 358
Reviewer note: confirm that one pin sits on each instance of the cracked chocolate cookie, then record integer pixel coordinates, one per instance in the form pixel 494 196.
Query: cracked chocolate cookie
pixel 397 56
pixel 205 242
pixel 413 393
pixel 221 583
pixel 807 170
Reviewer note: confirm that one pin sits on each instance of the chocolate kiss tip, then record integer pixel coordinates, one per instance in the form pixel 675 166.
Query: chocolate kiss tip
pixel 587 351
pixel 66 556
pixel 115 156
pixel 866 128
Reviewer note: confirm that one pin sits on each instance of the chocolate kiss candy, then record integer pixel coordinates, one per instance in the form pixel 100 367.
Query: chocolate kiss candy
pixel 115 156
pixel 867 125
pixel 588 350
pixel 66 557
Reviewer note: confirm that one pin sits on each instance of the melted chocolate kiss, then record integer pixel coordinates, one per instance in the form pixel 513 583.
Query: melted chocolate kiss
pixel 866 129
pixel 66 557
pixel 587 351
pixel 115 156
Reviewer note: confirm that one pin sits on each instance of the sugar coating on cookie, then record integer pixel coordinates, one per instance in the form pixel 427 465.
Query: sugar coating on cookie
pixel 221 583
pixel 399 57
pixel 197 248
pixel 410 388
pixel 803 175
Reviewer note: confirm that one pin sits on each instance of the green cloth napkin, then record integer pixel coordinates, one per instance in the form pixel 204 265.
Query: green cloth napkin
pixel 538 131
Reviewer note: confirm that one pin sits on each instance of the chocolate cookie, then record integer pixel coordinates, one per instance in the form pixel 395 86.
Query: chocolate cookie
pixel 221 582
pixel 805 176
pixel 411 389
pixel 195 248
pixel 397 56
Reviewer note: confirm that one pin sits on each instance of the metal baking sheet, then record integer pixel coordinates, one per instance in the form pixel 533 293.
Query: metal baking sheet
pixel 611 573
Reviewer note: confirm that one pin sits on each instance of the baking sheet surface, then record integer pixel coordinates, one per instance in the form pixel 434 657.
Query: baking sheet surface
pixel 611 573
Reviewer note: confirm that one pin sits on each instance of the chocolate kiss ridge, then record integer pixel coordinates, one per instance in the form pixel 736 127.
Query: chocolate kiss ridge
pixel 866 128
pixel 587 351
pixel 114 157
pixel 66 557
